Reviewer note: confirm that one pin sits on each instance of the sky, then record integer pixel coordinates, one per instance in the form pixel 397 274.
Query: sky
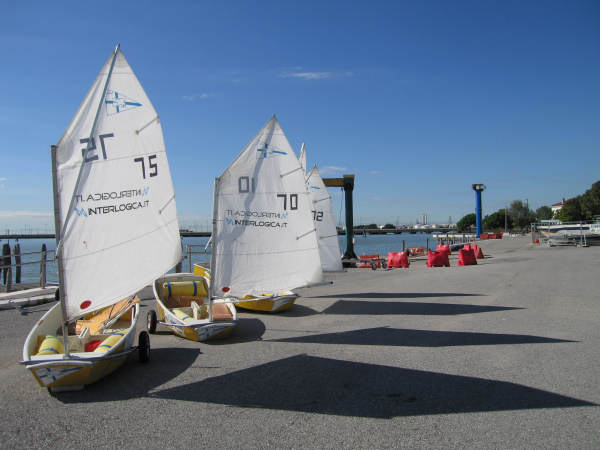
pixel 418 99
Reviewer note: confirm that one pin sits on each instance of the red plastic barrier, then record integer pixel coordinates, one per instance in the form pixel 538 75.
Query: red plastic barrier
pixel 492 236
pixel 367 265
pixel 398 260
pixel 443 248
pixel 467 246
pixel 483 236
pixel 437 259
pixel 478 252
pixel 466 258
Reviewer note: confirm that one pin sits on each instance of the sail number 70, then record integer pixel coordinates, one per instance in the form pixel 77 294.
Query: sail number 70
pixel 293 200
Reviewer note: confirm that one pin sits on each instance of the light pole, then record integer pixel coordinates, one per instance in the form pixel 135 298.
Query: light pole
pixel 478 188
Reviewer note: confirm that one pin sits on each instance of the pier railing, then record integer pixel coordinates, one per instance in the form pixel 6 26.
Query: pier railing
pixel 7 266
pixel 195 249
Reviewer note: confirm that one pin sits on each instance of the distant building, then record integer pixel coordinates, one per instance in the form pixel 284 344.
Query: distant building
pixel 558 206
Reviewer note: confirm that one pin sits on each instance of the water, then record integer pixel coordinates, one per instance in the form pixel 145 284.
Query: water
pixel 371 244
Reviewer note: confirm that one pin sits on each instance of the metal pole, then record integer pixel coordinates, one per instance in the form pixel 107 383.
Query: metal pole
pixel 348 188
pixel 478 211
pixel 189 256
pixel 403 246
pixel 59 263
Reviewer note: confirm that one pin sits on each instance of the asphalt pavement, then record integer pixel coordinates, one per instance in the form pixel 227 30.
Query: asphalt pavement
pixel 504 354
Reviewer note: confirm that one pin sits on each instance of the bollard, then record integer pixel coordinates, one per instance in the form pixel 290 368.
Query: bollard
pixel 17 255
pixel 9 279
pixel 403 247
pixel 43 267
pixel 189 257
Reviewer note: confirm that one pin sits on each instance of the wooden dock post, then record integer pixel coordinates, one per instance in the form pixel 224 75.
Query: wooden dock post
pixel 403 247
pixel 5 263
pixel 43 266
pixel 189 257
pixel 17 255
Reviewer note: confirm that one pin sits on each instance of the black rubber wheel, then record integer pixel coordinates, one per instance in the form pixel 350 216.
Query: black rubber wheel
pixel 151 321
pixel 143 347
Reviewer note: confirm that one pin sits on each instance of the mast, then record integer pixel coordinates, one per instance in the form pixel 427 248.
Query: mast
pixel 89 143
pixel 213 252
pixel 59 262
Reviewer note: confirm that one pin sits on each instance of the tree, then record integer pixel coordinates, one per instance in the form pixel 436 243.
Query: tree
pixel 543 213
pixel 467 221
pixel 590 202
pixel 389 226
pixel 571 211
pixel 521 214
pixel 496 220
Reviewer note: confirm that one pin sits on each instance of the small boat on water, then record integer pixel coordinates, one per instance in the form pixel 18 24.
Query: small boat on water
pixel 116 230
pixel 559 233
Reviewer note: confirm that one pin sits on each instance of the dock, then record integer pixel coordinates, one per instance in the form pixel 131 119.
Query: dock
pixel 502 354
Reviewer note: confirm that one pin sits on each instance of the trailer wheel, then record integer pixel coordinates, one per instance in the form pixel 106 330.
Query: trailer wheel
pixel 143 347
pixel 151 322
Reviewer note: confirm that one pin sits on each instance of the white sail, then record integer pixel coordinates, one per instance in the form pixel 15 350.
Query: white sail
pixel 302 158
pixel 116 210
pixel 329 246
pixel 264 239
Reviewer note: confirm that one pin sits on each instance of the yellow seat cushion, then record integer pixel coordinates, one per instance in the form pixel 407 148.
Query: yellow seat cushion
pixel 51 345
pixel 110 341
pixel 184 288
pixel 182 314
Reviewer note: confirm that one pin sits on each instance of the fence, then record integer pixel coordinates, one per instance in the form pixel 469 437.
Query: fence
pixel 7 265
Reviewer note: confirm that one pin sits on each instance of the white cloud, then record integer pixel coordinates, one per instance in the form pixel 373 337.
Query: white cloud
pixel 313 75
pixel 194 97
pixel 331 169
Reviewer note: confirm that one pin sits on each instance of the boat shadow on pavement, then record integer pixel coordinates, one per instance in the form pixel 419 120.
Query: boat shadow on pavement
pixel 305 383
pixel 388 336
pixel 134 379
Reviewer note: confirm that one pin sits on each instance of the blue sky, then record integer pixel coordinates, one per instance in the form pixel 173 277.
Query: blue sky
pixel 418 99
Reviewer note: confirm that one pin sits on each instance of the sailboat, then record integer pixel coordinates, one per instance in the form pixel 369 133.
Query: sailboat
pixel 116 231
pixel 264 240
pixel 322 213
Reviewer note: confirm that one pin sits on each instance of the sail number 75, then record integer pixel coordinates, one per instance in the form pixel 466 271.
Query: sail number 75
pixel 153 167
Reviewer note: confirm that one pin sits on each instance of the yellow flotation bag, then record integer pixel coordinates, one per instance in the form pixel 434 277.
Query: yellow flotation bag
pixel 110 341
pixel 181 314
pixel 184 288
pixel 202 271
pixel 51 345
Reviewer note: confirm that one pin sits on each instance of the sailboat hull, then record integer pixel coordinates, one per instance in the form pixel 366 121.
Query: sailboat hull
pixel 57 373
pixel 278 303
pixel 271 303
pixel 197 329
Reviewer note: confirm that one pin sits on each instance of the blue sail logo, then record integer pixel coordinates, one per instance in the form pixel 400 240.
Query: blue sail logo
pixel 117 102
